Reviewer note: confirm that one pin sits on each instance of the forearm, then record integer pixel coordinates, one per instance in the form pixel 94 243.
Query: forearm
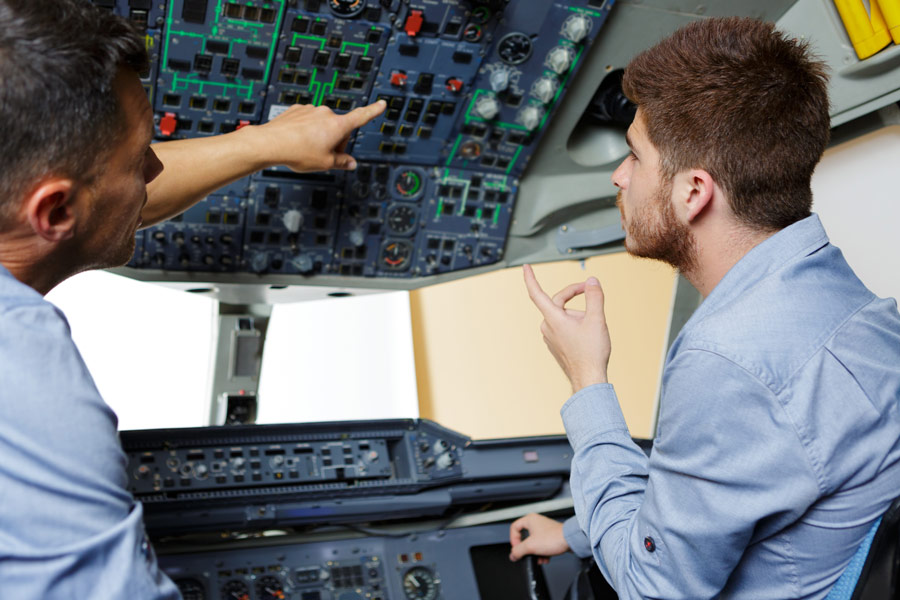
pixel 196 167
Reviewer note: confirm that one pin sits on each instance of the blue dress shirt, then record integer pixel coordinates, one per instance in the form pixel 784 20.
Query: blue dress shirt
pixel 778 442
pixel 68 526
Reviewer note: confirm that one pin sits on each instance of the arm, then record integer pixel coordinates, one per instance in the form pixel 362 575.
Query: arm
pixel 727 470
pixel 304 138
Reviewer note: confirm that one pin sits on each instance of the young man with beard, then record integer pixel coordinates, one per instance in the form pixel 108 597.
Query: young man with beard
pixel 78 178
pixel 778 441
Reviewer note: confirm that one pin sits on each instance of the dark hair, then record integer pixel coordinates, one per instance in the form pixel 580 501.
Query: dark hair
pixel 58 111
pixel 742 101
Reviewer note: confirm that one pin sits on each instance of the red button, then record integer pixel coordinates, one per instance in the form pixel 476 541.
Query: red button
pixel 454 85
pixel 414 23
pixel 649 544
pixel 398 79
pixel 168 124
pixel 243 124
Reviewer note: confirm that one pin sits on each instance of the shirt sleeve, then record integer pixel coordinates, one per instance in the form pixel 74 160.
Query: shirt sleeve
pixel 68 528
pixel 577 540
pixel 727 469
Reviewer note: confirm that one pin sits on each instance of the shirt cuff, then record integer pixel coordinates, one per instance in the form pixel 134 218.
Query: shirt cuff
pixel 592 410
pixel 576 539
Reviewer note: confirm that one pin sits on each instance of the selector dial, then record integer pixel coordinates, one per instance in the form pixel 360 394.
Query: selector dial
pixel 420 583
pixel 560 59
pixel 486 107
pixel 346 8
pixel 544 89
pixel 531 116
pixel 499 80
pixel 577 27
pixel 515 48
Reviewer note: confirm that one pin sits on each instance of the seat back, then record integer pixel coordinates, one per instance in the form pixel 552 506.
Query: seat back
pixel 879 577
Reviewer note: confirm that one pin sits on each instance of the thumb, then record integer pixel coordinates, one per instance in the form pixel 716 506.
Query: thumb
pixel 344 161
pixel 593 298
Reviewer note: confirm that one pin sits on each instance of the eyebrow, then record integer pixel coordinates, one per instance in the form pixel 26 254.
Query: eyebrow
pixel 628 139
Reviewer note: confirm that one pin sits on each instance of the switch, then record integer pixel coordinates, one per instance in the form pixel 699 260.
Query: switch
pixel 454 85
pixel 292 220
pixel 576 28
pixel 414 23
pixel 398 79
pixel 168 124
pixel 499 80
pixel 531 116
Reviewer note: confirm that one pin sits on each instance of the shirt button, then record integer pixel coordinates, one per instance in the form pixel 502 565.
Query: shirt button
pixel 649 544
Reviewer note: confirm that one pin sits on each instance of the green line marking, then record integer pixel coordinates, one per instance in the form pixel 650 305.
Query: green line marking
pixel 453 151
pixel 478 215
pixel 496 214
pixel 514 159
pixel 188 34
pixel 365 47
pixel 439 209
pixel 585 11
pixel 298 36
pixel 237 23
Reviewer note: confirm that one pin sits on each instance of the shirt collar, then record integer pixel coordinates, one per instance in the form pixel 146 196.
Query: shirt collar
pixel 787 245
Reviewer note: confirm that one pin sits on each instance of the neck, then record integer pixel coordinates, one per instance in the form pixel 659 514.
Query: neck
pixel 718 250
pixel 35 263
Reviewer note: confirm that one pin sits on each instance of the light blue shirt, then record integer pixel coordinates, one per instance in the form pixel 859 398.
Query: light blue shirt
pixel 778 442
pixel 68 526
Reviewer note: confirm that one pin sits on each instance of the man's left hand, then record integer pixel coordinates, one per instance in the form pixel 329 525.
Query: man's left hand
pixel 578 340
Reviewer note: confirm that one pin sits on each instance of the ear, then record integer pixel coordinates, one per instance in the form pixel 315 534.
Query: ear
pixel 697 191
pixel 49 209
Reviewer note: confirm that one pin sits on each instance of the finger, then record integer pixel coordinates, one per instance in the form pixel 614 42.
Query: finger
pixel 593 299
pixel 515 530
pixel 535 292
pixel 543 560
pixel 362 115
pixel 520 550
pixel 567 293
pixel 344 161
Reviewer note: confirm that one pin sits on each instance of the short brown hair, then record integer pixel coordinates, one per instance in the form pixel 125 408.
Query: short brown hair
pixel 742 101
pixel 58 111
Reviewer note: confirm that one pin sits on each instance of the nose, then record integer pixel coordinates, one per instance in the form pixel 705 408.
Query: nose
pixel 152 166
pixel 620 176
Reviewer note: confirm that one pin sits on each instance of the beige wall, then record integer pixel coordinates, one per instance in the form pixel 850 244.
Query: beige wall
pixel 481 363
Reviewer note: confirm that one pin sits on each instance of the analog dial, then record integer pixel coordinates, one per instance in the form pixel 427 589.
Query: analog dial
pixel 235 590
pixel 270 588
pixel 347 8
pixel 401 218
pixel 420 583
pixel 191 589
pixel 515 48
pixel 396 255
pixel 408 183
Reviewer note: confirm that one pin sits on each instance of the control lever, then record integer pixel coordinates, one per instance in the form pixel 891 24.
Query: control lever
pixel 537 583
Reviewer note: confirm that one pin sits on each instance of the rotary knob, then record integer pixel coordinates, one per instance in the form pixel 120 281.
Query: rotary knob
pixel 499 80
pixel 486 107
pixel 560 59
pixel 303 263
pixel 576 28
pixel 357 237
pixel 544 89
pixel 531 116
pixel 293 220
pixel 444 461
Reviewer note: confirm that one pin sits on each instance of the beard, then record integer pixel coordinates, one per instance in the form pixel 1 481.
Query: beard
pixel 655 232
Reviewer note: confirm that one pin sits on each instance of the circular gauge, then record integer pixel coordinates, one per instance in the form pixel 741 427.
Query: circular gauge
pixel 401 218
pixel 514 48
pixel 347 8
pixel 235 590
pixel 396 255
pixel 473 33
pixel 270 587
pixel 191 589
pixel 409 184
pixel 420 583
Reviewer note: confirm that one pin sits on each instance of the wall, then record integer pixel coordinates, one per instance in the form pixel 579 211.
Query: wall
pixel 482 365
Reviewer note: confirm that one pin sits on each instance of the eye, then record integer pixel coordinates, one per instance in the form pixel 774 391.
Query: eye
pixel 632 155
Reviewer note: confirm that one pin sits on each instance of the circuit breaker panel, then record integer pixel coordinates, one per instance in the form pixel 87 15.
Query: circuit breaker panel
pixel 470 85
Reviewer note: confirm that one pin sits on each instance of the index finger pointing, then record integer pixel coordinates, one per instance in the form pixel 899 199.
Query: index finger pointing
pixel 362 115
pixel 535 292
